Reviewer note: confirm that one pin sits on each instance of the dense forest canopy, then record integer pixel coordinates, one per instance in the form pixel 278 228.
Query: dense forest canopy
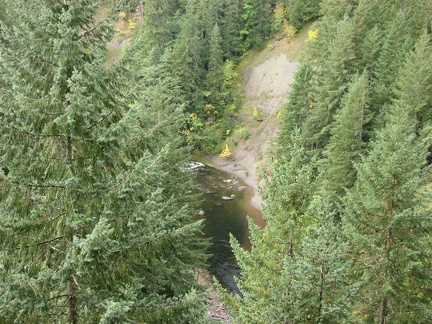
pixel 97 216
pixel 348 202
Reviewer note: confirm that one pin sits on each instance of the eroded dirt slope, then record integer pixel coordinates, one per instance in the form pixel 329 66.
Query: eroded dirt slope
pixel 266 81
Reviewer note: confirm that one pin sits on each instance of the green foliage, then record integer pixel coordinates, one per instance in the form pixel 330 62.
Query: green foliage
pixel 230 29
pixel 347 199
pixel 336 10
pixel 242 132
pixel 334 77
pixel 301 11
pixel 95 219
pixel 414 82
pixel 257 21
pixel 296 270
pixel 257 114
pixel 262 267
pixel 300 102
pixel 347 140
pixel 160 26
pixel 386 224
pixel 396 44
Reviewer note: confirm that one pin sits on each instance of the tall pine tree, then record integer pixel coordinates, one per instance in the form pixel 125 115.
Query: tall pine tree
pixel 387 225
pixel 347 140
pixel 91 227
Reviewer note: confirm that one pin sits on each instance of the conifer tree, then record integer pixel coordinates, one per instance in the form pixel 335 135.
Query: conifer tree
pixel 95 223
pixel 215 65
pixel 302 11
pixel 160 25
pixel 370 48
pixel 257 20
pixel 387 225
pixel 347 140
pixel 334 77
pixel 300 102
pixel 414 82
pixel 367 29
pixel 297 269
pixel 287 196
pixel 215 76
pixel 187 56
pixel 230 29
pixel 396 44
pixel 315 284
pixel 336 10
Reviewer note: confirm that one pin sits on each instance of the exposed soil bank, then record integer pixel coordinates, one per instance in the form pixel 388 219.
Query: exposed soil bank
pixel 265 83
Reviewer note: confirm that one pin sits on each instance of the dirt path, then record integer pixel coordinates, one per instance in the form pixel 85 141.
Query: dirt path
pixel 265 83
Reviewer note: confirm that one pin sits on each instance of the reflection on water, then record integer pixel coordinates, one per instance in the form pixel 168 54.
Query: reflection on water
pixel 223 217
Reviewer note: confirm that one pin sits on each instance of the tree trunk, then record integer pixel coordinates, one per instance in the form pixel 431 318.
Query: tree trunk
pixel 383 310
pixel 72 301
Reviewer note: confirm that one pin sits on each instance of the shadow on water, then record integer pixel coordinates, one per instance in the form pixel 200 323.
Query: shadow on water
pixel 223 217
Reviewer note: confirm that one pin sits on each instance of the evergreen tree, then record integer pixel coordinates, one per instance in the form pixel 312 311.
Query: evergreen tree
pixel 215 76
pixel 370 48
pixel 215 66
pixel 230 29
pixel 287 196
pixel 315 285
pixel 257 21
pixel 301 11
pixel 387 225
pixel 297 269
pixel 347 140
pixel 334 77
pixel 367 32
pixel 336 10
pixel 95 222
pixel 414 82
pixel 187 57
pixel 300 102
pixel 396 44
pixel 160 25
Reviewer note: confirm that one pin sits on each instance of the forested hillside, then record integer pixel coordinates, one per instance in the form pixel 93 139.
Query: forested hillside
pixel 98 216
pixel 348 199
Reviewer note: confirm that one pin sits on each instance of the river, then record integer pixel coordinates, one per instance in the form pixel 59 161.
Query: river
pixel 223 216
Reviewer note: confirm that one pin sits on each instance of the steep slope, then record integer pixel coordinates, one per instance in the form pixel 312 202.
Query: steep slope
pixel 265 79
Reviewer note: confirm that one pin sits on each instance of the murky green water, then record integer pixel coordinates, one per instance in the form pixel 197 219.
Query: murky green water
pixel 223 217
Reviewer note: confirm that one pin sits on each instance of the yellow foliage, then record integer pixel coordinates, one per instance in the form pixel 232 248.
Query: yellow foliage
pixel 226 152
pixel 312 35
pixel 311 104
pixel 228 131
pixel 193 115
pixel 122 14
pixel 289 31
pixel 208 108
pixel 132 24
pixel 356 312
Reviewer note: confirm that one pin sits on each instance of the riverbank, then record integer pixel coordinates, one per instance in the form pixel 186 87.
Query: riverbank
pixel 266 79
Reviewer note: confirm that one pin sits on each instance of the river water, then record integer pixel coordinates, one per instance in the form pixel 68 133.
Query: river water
pixel 223 217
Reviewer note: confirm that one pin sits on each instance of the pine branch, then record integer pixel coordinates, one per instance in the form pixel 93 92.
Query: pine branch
pixel 27 132
pixel 126 177
pixel 152 130
pixel 48 241
pixel 99 121
pixel 58 296
pixel 57 250
pixel 101 22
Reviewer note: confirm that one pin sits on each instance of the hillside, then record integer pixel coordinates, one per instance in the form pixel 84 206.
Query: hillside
pixel 265 78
